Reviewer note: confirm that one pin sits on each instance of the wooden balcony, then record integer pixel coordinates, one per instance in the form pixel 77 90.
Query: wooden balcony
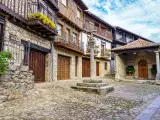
pixel 70 15
pixel 99 31
pixel 38 25
pixel 69 43
pixel 20 9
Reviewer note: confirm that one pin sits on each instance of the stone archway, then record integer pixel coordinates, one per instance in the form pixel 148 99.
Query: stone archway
pixel 143 69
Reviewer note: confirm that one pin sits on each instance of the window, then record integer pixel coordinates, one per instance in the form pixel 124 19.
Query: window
pixel 68 35
pixel 78 13
pixel 105 65
pixel 74 37
pixel 59 29
pixel 103 48
pixel 65 2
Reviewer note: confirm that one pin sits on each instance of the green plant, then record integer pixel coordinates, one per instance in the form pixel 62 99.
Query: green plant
pixel 130 70
pixel 154 70
pixel 4 61
pixel 96 51
pixel 43 19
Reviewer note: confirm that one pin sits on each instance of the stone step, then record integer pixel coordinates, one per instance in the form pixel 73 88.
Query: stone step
pixel 92 84
pixel 100 90
pixel 92 81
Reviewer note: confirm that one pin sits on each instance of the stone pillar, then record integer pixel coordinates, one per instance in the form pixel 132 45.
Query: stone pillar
pixel 92 63
pixel 158 66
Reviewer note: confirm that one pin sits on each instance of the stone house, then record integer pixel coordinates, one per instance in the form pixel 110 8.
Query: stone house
pixel 27 30
pixel 68 46
pixel 103 39
pixel 141 56
pixel 122 37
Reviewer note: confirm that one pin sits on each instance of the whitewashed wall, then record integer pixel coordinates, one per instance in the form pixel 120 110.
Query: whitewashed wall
pixel 97 42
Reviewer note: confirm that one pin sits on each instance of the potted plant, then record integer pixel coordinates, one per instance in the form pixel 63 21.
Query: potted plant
pixel 43 18
pixel 154 70
pixel 130 70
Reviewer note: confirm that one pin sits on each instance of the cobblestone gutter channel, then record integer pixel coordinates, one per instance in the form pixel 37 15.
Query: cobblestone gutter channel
pixel 15 83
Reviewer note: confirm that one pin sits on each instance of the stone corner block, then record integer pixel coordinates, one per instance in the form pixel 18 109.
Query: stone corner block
pixel 24 68
pixel 158 82
pixel 13 67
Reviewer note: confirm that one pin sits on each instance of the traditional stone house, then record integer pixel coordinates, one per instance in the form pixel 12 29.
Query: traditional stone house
pixel 27 29
pixel 103 39
pixel 122 37
pixel 141 56
pixel 68 49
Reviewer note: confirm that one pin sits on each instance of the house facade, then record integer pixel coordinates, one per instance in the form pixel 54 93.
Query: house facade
pixel 138 60
pixel 68 46
pixel 27 31
pixel 122 37
pixel 103 39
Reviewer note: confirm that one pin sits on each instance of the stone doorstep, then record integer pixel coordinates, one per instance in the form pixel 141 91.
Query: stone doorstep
pixel 92 84
pixel 99 90
pixel 92 81
pixel 149 112
pixel 158 82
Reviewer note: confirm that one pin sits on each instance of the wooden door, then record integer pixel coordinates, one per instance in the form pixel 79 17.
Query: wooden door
pixel 85 67
pixel 97 68
pixel 63 68
pixel 37 64
pixel 143 69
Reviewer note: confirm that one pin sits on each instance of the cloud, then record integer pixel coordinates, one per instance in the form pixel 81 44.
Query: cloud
pixel 139 16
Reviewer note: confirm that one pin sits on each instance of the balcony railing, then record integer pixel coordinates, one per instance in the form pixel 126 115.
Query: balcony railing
pixel 70 14
pixel 99 31
pixel 17 50
pixel 21 9
pixel 69 42
pixel 105 53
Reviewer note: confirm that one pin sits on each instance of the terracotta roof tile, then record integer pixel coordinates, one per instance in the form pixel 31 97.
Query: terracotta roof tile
pixel 140 43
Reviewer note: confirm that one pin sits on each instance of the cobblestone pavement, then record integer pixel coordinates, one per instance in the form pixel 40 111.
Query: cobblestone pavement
pixel 57 101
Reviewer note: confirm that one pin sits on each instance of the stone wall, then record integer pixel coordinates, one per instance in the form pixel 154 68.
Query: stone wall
pixel 122 61
pixel 120 67
pixel 102 71
pixel 150 57
pixel 15 83
pixel 22 34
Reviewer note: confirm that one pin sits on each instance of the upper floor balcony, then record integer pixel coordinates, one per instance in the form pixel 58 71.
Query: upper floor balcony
pixel 99 31
pixel 36 14
pixel 70 42
pixel 70 15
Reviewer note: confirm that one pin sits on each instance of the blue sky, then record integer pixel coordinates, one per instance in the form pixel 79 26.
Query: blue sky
pixel 139 16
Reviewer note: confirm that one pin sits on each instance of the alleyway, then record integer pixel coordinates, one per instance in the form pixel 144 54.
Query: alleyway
pixel 57 101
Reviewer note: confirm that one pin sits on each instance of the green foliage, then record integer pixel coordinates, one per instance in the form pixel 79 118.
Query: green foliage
pixel 108 52
pixel 130 70
pixel 43 19
pixel 4 61
pixel 154 70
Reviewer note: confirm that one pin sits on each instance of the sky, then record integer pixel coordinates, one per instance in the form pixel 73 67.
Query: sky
pixel 139 16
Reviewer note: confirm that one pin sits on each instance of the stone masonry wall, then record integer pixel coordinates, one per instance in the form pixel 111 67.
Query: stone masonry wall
pixel 15 83
pixel 120 68
pixel 150 57
pixel 102 71
pixel 22 34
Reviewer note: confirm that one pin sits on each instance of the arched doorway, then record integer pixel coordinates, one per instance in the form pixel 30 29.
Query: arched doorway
pixel 143 69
